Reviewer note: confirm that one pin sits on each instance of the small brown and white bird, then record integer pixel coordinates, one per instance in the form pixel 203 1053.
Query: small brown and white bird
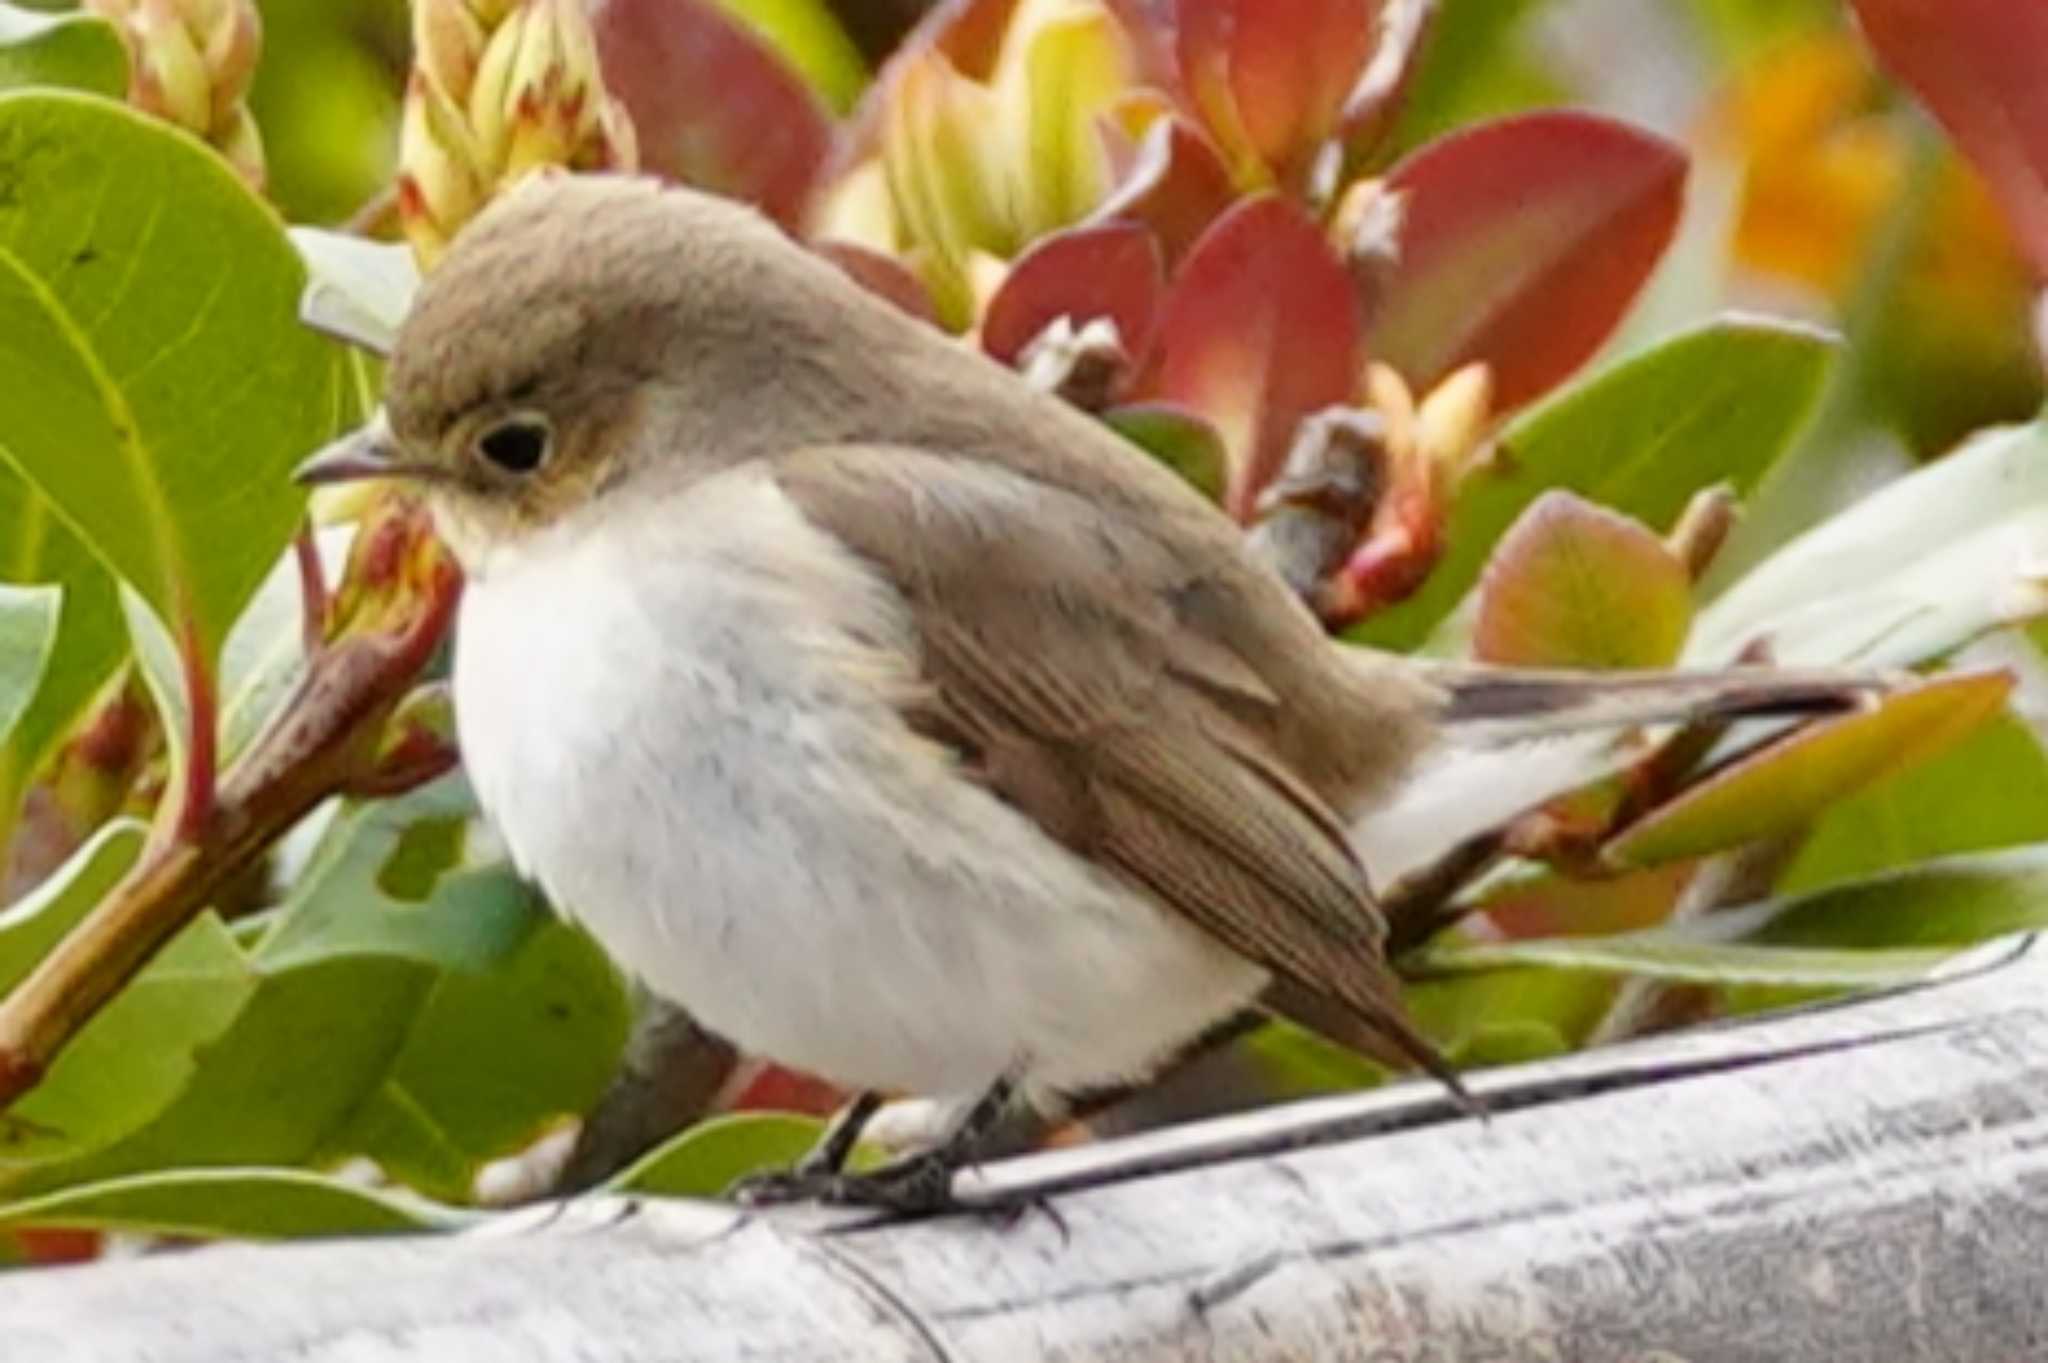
pixel 892 716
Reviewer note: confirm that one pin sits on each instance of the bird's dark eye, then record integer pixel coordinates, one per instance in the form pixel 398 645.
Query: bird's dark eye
pixel 516 445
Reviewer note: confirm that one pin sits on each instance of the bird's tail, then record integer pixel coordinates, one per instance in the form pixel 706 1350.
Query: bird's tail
pixel 1507 704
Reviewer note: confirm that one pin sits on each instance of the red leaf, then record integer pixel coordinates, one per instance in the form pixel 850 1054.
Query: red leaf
pixel 1177 187
pixel 880 274
pixel 1572 584
pixel 1259 329
pixel 1112 270
pixel 711 105
pixel 1270 76
pixel 1523 243
pixel 1982 67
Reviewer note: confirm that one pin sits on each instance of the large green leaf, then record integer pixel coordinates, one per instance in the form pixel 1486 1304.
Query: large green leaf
pixel 443 990
pixel 249 1203
pixel 1880 930
pixel 1910 572
pixel 1719 404
pixel 28 632
pixel 159 385
pixel 80 51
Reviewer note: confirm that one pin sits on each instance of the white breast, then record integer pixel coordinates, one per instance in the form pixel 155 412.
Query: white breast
pixel 684 731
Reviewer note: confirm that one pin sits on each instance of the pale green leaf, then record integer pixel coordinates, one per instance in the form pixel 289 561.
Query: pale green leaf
pixel 705 1160
pixel 246 1203
pixel 36 547
pixel 1911 572
pixel 356 289
pixel 78 51
pixel 28 632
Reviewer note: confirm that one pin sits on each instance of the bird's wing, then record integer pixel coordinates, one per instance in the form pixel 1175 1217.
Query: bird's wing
pixel 1060 676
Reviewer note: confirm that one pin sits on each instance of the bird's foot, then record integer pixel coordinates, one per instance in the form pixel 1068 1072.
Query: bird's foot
pixel 920 1185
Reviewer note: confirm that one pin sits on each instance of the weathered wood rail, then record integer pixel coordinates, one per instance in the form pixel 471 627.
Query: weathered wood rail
pixel 1857 1182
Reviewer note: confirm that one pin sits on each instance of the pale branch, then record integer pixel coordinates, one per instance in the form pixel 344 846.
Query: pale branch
pixel 1855 1183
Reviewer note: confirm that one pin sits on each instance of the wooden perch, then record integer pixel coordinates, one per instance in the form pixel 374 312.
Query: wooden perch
pixel 1856 1182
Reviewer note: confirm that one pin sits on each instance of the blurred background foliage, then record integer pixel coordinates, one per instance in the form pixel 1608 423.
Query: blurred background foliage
pixel 1542 331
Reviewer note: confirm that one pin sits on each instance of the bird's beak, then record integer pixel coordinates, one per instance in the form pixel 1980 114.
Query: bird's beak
pixel 370 451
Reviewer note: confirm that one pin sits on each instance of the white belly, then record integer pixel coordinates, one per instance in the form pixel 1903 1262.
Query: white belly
pixel 689 745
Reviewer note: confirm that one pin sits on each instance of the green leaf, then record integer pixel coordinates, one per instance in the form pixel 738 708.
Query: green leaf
pixel 249 1203
pixel 78 51
pixel 1791 782
pixel 1679 956
pixel 31 925
pixel 705 1160
pixel 160 386
pixel 806 34
pixel 28 631
pixel 1990 790
pixel 1178 439
pixel 356 289
pixel 466 1005
pixel 1885 929
pixel 1575 585
pixel 1910 572
pixel 36 547
pixel 1717 404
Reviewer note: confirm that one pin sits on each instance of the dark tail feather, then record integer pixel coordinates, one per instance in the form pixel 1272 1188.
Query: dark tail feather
pixel 1383 1035
pixel 1515 703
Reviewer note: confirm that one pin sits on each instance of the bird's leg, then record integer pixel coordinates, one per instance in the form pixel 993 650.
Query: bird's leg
pixel 923 1182
pixel 811 1176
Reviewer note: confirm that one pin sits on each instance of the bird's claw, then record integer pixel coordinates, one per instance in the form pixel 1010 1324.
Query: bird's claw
pixel 920 1186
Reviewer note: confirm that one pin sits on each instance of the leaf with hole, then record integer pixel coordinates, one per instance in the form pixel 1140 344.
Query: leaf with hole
pixel 428 988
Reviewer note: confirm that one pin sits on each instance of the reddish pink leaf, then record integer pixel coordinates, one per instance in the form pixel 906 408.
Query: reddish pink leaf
pixel 1112 270
pixel 1572 584
pixel 1259 329
pixel 880 274
pixel 711 105
pixel 1270 76
pixel 1523 243
pixel 1177 187
pixel 1982 67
